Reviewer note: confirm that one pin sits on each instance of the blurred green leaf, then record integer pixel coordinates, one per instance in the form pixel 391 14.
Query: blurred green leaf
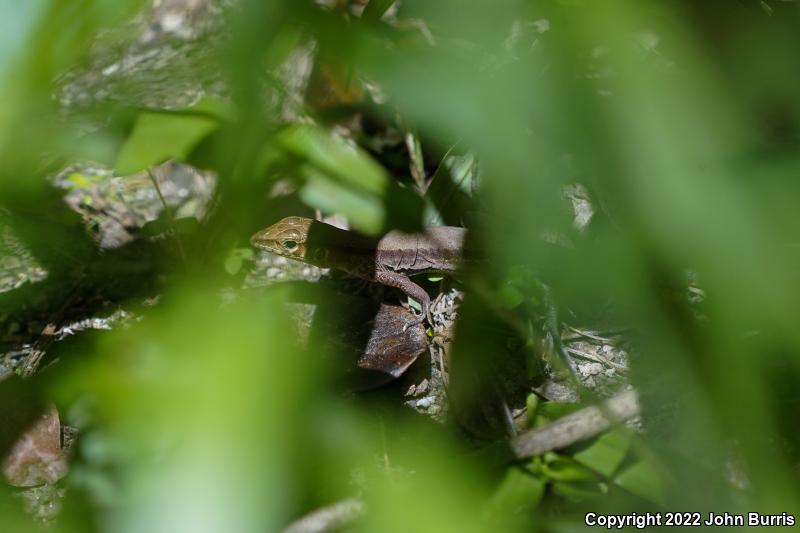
pixel 19 21
pixel 532 407
pixel 579 491
pixel 509 296
pixel 562 468
pixel 339 177
pixel 233 263
pixel 79 180
pixel 166 224
pixel 334 157
pixel 376 8
pixel 464 170
pixel 364 210
pixel 235 260
pixel 156 227
pixel 454 180
pixel 645 479
pixel 606 452
pixel 158 137
pixel 518 491
pixel 549 411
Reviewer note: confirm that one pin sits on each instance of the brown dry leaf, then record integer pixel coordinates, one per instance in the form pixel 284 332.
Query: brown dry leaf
pixel 37 457
pixel 393 345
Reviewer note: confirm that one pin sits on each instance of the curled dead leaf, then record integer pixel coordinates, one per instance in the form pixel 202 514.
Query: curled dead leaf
pixel 37 457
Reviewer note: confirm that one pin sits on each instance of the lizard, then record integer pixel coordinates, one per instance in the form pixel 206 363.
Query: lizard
pixel 388 259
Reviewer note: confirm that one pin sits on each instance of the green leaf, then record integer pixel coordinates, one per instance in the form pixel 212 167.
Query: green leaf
pixel 561 468
pixel 518 491
pixel 532 403
pixel 645 479
pixel 339 177
pixel 79 181
pixel 549 411
pixel 431 215
pixel 334 157
pixel 185 225
pixel 509 296
pixel 233 263
pixel 165 224
pixel 155 227
pixel 464 170
pixel 455 173
pixel 579 491
pixel 607 452
pixel 235 259
pixel 158 137
pixel 376 8
pixel 364 211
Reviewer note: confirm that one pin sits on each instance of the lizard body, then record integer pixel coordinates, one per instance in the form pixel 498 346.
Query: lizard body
pixel 388 260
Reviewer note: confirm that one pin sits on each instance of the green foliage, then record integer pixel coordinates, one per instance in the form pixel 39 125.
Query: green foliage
pixel 519 491
pixel 339 177
pixel 158 137
pixel 644 479
pixel 236 259
pixel 607 452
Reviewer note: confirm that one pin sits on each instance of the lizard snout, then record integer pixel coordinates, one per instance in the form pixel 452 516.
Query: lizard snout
pixel 260 239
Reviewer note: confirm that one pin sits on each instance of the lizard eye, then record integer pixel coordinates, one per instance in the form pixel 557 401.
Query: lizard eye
pixel 289 245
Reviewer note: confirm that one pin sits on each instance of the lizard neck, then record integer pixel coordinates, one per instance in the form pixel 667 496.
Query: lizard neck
pixel 330 247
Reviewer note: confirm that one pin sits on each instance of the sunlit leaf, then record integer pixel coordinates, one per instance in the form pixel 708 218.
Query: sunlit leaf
pixel 362 208
pixel 339 177
pixel 335 158
pixel 158 137
pixel 79 180
pixel 606 452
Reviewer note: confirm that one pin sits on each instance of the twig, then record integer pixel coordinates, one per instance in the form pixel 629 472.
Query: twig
pixel 508 419
pixel 328 518
pixel 577 426
pixel 168 213
pixel 596 359
pixel 594 336
pixel 31 363
pixel 582 333
pixel 416 164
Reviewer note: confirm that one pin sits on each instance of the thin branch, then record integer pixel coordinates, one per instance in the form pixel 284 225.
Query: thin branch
pixel 328 518
pixel 577 426
pixel 168 213
pixel 596 359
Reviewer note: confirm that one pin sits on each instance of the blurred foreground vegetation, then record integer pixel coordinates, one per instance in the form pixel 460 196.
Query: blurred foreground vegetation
pixel 677 123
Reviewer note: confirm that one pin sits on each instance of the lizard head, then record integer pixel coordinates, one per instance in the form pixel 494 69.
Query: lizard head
pixel 287 238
